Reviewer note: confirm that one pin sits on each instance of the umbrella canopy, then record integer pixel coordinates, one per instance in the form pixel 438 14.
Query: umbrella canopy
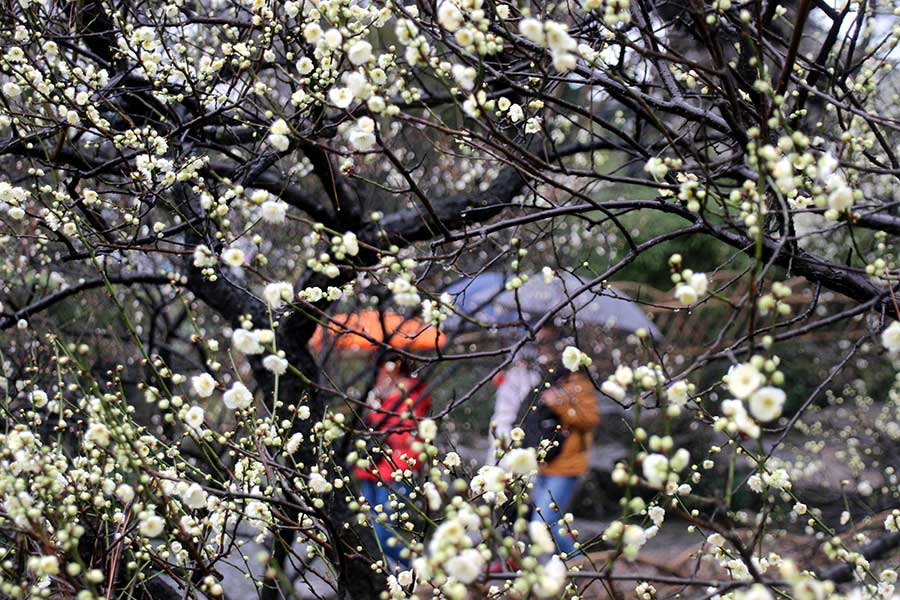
pixel 475 297
pixel 608 307
pixel 366 329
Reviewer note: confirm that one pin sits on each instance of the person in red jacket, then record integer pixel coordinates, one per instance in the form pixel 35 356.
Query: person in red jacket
pixel 399 402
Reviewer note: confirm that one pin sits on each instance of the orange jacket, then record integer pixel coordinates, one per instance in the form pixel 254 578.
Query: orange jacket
pixel 573 400
pixel 387 419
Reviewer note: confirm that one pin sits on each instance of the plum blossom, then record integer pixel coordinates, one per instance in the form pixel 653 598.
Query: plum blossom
pixel 612 389
pixel 428 429
pixel 125 493
pixel 273 211
pixel 694 286
pixel 656 167
pixel 656 469
pixel 541 539
pixel 203 385
pixel 551 580
pixel 98 435
pixel 890 337
pixel 318 484
pixel 657 514
pixel 405 293
pixel 432 496
pixel 237 397
pixel 623 375
pixel 193 418
pixel 359 53
pixel 464 76
pixel 304 65
pixel 520 461
pixel 246 342
pixel 194 496
pixel 277 292
pixel 466 566
pixel 686 294
pixel 532 30
pixel 680 460
pixel 233 257
pixel 278 135
pixel 341 97
pixel 744 379
pixel 449 16
pixel 841 197
pixel 678 393
pixel 12 89
pixel 275 364
pixel 757 592
pixel 573 358
pixel 767 403
pixel 362 136
pixel 490 481
pixel 152 525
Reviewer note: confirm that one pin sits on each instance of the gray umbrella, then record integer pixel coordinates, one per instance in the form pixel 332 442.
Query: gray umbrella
pixel 597 306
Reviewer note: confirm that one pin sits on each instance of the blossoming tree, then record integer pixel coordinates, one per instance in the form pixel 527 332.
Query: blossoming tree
pixel 191 188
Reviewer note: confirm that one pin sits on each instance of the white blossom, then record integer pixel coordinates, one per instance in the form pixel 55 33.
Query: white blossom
pixel 520 461
pixel 278 133
pixel 656 167
pixel 362 136
pixel 573 358
pixel 680 460
pixel 656 469
pixel 273 211
pixel 360 52
pixel 686 294
pixel 700 283
pixel 233 257
pixel 657 514
pixel 194 416
pixel 533 30
pixel 203 385
pixel 890 337
pixel 194 496
pixel 541 539
pixel 276 293
pixel 237 397
pixel 318 484
pixel 98 434
pixel 449 16
pixel 125 493
pixel 341 97
pixel 744 379
pixel 552 580
pixel 613 390
pixel 246 342
pixel 767 403
pixel 428 429
pixel 678 393
pixel 275 364
pixel 152 525
pixel 466 566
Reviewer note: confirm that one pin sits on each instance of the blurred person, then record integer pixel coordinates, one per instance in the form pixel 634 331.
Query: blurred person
pixel 397 403
pixel 514 385
pixel 565 412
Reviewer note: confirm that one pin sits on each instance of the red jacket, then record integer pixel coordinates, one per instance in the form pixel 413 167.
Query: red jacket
pixel 398 416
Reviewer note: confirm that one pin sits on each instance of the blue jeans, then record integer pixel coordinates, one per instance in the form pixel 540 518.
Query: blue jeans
pixel 559 490
pixel 376 494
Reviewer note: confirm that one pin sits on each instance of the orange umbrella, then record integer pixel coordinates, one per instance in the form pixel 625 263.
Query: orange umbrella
pixel 365 330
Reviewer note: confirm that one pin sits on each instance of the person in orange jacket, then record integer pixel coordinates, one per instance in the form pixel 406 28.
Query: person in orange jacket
pixel 571 398
pixel 400 402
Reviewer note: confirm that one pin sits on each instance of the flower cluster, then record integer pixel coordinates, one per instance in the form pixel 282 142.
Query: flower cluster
pixel 690 287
